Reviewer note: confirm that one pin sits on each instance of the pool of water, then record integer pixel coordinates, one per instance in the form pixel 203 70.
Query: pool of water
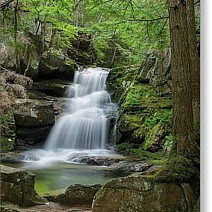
pixel 55 178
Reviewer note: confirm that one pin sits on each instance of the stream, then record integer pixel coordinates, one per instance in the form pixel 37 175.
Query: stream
pixel 80 133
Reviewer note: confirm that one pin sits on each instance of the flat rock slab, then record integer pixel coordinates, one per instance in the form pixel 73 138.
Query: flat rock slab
pixel 34 113
pixel 51 206
pixel 17 187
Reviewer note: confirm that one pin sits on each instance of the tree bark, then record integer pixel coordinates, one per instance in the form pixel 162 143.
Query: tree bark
pixel 185 70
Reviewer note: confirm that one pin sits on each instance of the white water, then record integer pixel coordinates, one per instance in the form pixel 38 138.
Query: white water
pixel 84 123
pixel 83 127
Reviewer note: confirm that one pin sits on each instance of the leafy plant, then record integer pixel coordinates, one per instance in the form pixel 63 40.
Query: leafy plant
pixel 164 116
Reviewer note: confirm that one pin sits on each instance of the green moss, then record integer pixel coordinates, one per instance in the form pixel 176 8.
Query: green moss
pixel 157 158
pixel 7 137
pixel 163 116
pixel 69 61
pixel 151 136
pixel 178 169
pixel 125 148
pixel 7 144
pixel 169 142
pixel 132 120
pixel 145 96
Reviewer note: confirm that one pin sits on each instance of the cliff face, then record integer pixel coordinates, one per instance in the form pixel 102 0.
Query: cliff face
pixel 144 96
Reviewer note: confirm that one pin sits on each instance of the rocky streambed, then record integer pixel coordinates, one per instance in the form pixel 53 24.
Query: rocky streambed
pixel 26 189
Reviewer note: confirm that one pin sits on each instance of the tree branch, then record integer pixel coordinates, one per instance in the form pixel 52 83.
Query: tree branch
pixel 5 4
pixel 147 20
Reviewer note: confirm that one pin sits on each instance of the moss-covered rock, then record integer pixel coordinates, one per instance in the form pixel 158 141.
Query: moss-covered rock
pixel 145 117
pixel 154 138
pixel 143 94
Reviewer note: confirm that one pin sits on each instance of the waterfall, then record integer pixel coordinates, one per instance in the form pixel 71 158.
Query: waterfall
pixel 84 123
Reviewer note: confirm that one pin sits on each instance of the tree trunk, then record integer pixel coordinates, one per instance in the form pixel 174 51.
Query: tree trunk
pixel 195 68
pixel 185 70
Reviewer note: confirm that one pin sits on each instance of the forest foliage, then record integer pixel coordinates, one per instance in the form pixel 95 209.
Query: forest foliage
pixel 131 26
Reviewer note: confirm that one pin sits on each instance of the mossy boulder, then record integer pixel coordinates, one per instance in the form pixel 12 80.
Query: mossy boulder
pixel 127 126
pixel 138 193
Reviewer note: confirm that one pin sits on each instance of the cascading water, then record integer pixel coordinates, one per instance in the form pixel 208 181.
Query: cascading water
pixel 83 128
pixel 84 123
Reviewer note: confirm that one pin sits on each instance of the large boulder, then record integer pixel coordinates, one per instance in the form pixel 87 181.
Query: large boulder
pixel 78 195
pixel 136 193
pixel 17 186
pixel 55 65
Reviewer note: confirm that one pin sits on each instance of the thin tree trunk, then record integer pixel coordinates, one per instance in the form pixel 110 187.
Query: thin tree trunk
pixel 15 36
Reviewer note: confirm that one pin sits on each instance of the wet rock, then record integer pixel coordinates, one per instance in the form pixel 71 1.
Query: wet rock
pixel 12 157
pixel 136 193
pixel 98 161
pixel 61 199
pixel 125 168
pixel 17 186
pixel 78 194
